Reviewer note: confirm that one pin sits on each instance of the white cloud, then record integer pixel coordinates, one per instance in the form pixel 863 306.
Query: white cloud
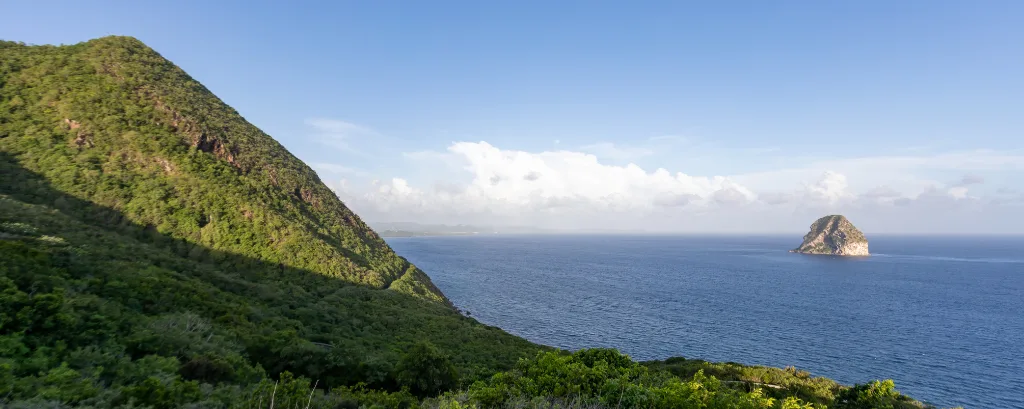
pixel 482 183
pixel 513 182
pixel 831 188
pixel 957 192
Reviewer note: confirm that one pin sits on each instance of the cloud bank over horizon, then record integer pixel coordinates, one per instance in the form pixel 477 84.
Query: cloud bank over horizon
pixel 584 189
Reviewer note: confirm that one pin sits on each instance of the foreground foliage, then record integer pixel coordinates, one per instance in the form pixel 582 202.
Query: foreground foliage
pixel 604 378
pixel 93 315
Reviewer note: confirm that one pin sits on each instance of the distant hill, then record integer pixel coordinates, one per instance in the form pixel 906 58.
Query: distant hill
pixel 408 229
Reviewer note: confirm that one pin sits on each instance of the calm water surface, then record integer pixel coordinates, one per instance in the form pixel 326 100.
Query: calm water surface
pixel 943 317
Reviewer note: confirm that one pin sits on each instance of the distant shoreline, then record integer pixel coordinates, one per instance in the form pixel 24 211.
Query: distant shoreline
pixel 394 233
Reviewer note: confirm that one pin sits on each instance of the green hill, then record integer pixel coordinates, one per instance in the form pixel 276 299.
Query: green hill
pixel 157 250
pixel 153 220
pixel 112 122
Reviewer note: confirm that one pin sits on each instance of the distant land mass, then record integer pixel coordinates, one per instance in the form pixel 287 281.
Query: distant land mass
pixel 407 233
pixel 834 235
pixel 413 229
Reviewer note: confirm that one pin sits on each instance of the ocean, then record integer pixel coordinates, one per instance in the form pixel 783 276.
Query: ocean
pixel 942 316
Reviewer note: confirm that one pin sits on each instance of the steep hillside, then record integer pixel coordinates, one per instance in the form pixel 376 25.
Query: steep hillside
pixel 148 233
pixel 112 122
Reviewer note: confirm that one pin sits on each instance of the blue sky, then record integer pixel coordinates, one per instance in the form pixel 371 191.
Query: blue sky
pixel 761 114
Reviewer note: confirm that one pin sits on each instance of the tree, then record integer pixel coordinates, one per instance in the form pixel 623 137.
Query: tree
pixel 426 371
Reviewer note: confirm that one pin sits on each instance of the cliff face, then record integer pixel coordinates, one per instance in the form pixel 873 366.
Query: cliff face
pixel 834 235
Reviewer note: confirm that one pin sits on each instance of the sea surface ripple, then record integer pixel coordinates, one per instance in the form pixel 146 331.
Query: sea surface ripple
pixel 942 316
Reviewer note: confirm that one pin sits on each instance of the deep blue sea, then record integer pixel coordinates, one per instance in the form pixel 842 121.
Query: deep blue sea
pixel 942 316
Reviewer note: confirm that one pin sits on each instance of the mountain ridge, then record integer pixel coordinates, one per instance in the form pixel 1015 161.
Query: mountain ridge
pixel 189 134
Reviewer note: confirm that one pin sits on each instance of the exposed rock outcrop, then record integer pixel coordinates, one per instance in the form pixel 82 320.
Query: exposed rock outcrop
pixel 834 235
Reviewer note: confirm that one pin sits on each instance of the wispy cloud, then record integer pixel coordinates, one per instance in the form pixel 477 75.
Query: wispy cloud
pixel 630 152
pixel 341 135
pixel 669 138
pixel 618 153
pixel 906 173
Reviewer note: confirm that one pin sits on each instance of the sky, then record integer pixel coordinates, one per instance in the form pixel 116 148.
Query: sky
pixel 704 117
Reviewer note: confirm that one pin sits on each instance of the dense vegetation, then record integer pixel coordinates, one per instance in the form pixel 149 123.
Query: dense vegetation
pixel 603 378
pixel 112 122
pixel 149 233
pixel 158 251
pixel 119 305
